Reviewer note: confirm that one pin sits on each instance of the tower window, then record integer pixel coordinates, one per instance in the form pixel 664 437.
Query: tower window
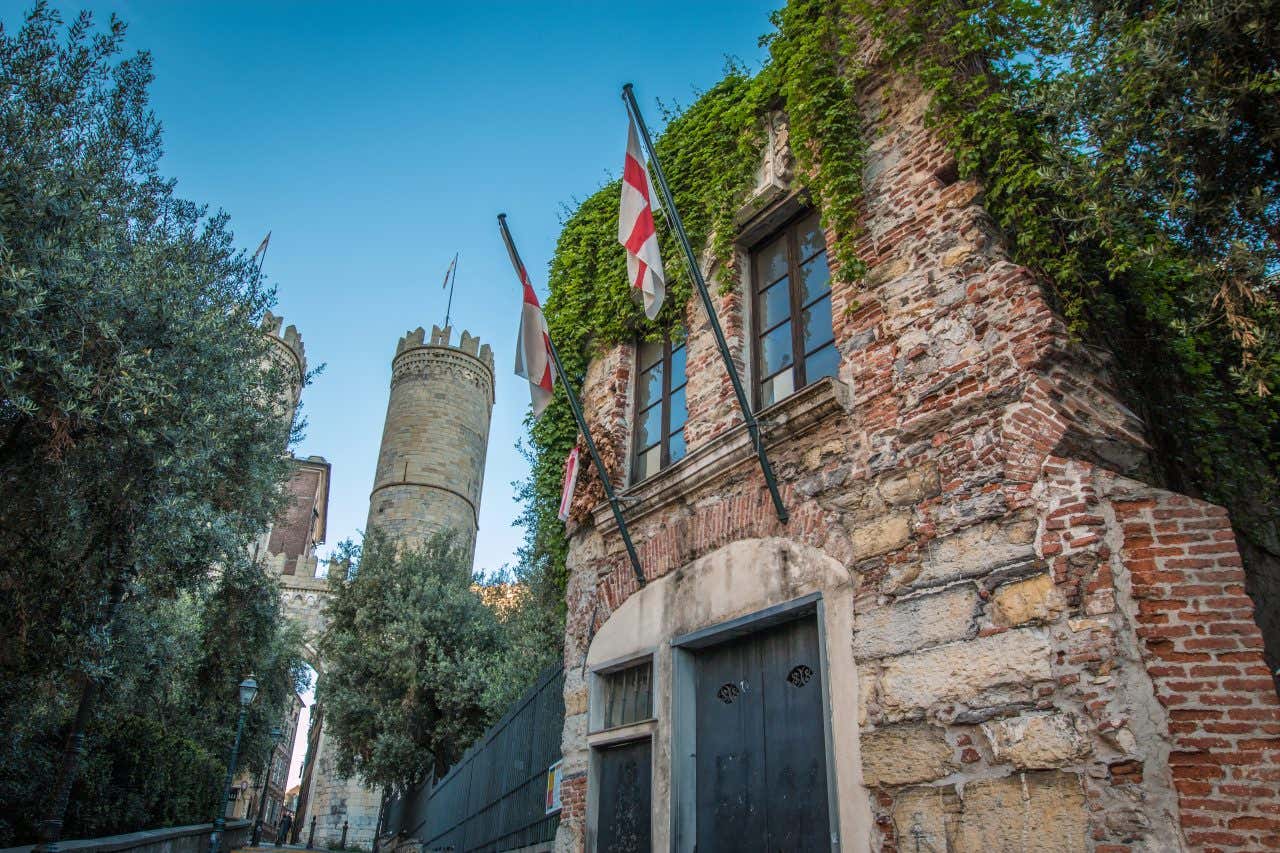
pixel 661 407
pixel 794 343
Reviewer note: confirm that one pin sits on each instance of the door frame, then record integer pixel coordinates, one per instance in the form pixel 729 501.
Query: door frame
pixel 684 650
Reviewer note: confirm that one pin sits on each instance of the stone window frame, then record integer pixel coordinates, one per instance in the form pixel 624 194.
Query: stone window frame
pixel 599 739
pixel 783 222
pixel 663 403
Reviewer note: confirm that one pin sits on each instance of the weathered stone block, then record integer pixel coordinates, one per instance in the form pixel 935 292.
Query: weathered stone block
pixel 1042 811
pixel 911 486
pixel 977 550
pixel 881 535
pixel 576 702
pixel 965 671
pixel 1033 600
pixel 906 753
pixel 1037 741
pixel 923 620
pixel 927 818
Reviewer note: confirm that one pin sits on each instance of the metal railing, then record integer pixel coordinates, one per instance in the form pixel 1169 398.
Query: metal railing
pixel 493 799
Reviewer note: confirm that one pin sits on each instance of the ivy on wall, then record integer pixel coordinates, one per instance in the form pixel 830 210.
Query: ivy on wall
pixel 710 154
pixel 1131 156
pixel 1128 164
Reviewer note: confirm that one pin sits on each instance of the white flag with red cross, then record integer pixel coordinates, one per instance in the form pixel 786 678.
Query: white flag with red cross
pixel 570 483
pixel 636 230
pixel 533 348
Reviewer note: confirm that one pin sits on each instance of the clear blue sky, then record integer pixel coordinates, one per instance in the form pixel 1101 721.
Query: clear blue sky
pixel 376 139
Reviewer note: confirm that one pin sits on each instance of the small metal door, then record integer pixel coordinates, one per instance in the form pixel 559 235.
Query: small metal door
pixel 760 749
pixel 625 802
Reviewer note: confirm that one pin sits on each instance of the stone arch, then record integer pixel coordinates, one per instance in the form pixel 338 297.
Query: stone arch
pixel 738 580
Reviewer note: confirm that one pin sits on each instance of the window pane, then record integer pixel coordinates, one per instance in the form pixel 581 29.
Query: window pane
pixel 677 445
pixel 817 324
pixel 775 388
pixel 679 409
pixel 774 304
pixel 677 366
pixel 648 463
pixel 627 696
pixel 822 363
pixel 772 260
pixel 775 349
pixel 650 389
pixel 649 427
pixel 812 240
pixel 815 279
pixel 650 352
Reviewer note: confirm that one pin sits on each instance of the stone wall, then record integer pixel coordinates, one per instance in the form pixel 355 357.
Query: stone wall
pixel 1045 652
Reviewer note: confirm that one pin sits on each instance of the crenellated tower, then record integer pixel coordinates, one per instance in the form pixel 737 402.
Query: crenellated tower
pixel 431 465
pixel 288 352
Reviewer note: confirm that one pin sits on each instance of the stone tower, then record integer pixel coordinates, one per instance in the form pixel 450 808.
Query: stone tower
pixel 431 464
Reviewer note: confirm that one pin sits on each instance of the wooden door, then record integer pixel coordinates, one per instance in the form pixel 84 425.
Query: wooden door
pixel 760 747
pixel 624 824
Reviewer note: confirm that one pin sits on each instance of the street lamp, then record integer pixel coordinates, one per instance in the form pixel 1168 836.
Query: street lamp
pixel 248 690
pixel 277 735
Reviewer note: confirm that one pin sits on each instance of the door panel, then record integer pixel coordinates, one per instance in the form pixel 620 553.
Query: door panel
pixel 731 792
pixel 625 800
pixel 761 751
pixel 795 744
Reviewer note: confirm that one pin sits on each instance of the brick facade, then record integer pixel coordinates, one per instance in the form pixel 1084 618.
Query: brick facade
pixel 1039 650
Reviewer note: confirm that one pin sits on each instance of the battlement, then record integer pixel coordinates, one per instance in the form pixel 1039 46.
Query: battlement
pixel 290 339
pixel 469 343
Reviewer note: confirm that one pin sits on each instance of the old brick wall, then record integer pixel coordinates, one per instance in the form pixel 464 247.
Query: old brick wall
pixel 293 536
pixel 1201 646
pixel 979 479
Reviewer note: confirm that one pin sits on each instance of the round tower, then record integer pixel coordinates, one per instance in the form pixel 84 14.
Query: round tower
pixel 431 464
pixel 288 353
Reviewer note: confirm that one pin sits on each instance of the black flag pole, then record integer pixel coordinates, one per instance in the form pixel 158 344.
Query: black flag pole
pixel 695 271
pixel 451 278
pixel 576 408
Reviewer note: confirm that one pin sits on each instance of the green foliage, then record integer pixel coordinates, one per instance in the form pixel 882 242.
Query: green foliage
pixel 158 745
pixel 410 654
pixel 140 441
pixel 1132 156
pixel 710 153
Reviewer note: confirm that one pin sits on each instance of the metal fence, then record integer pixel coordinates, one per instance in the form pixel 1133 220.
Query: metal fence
pixel 494 798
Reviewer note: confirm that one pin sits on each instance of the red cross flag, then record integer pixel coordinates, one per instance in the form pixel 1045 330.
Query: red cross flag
pixel 570 483
pixel 533 349
pixel 636 230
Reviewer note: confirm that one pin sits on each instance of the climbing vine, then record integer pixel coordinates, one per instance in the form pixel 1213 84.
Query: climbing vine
pixel 1131 159
pixel 710 153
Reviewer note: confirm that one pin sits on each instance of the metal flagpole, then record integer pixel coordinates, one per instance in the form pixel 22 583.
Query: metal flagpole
pixel 691 260
pixel 262 258
pixel 576 408
pixel 452 278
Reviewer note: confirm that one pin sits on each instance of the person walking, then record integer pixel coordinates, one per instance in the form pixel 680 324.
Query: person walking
pixel 286 821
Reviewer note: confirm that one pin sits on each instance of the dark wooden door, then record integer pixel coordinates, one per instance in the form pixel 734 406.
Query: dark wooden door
pixel 761 752
pixel 625 802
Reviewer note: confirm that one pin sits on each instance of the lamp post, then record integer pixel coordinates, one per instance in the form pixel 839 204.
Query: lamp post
pixel 277 735
pixel 248 690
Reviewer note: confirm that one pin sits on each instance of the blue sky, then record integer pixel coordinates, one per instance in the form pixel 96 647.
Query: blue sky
pixel 376 139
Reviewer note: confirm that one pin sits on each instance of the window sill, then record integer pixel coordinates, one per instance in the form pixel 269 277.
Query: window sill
pixel 620 734
pixel 783 421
